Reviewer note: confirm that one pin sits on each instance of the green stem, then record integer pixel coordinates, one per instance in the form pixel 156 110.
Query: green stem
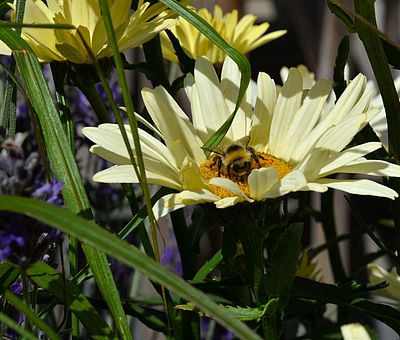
pixel 88 88
pixel 73 267
pixel 8 115
pixel 382 72
pixel 184 243
pixel 329 227
pixel 62 104
pixel 155 62
pixel 26 296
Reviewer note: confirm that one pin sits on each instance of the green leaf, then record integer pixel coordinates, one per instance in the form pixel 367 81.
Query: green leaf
pixel 70 295
pixel 280 275
pixel 238 57
pixel 348 16
pixel 240 313
pixel 252 313
pixel 30 314
pixel 6 320
pixel 341 12
pixel 283 263
pixel 8 275
pixel 369 35
pixel 340 64
pixel 208 267
pixel 4 7
pixel 328 293
pixel 63 162
pixel 91 234
pixel 392 52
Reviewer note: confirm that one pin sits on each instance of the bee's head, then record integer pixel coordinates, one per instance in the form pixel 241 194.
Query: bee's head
pixel 241 167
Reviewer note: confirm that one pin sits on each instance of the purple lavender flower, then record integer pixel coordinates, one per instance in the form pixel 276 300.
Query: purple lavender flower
pixel 16 287
pixel 217 331
pixel 49 192
pixel 22 239
pixel 172 260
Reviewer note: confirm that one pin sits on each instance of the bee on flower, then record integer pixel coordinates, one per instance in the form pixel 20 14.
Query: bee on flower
pixel 299 139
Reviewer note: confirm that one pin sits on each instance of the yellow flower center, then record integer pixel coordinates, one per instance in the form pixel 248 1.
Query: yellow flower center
pixel 215 167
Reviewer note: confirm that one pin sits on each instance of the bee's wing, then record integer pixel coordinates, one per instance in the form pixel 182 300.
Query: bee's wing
pixel 244 141
pixel 215 149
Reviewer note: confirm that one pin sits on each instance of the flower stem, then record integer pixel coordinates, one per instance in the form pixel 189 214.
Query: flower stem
pixel 328 221
pixel 376 54
pixel 88 88
pixel 26 297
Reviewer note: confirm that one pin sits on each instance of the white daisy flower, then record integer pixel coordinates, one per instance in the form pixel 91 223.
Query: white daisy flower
pixel 296 141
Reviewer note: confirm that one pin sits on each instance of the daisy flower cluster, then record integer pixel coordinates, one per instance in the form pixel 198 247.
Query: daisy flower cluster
pixel 246 175
pixel 300 139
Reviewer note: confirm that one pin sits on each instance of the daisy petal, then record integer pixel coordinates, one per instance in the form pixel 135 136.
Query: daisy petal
pixel 359 187
pixel 230 186
pixel 175 126
pixel 182 199
pixel 371 167
pixel 293 181
pixel 211 99
pixel 288 102
pixel 347 156
pixel 126 174
pixel 260 181
pixel 264 108
pixel 228 202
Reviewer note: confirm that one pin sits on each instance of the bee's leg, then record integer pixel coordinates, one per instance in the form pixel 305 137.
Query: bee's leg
pixel 228 170
pixel 219 165
pixel 255 157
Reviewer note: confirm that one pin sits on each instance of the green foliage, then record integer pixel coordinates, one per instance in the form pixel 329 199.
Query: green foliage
pixel 245 279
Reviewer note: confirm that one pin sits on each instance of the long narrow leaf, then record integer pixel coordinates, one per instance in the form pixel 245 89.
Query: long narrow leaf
pixel 6 320
pixel 62 162
pixel 70 295
pixel 30 314
pixel 328 293
pixel 238 57
pixel 91 234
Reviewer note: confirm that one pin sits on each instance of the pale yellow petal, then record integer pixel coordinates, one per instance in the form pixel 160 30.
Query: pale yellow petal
pixel 126 174
pixel 354 331
pixel 211 99
pixel 359 187
pixel 175 126
pixel 180 200
pixel 347 156
pixel 230 186
pixel 379 275
pixel 288 102
pixel 371 167
pixel 260 181
pixel 264 108
pixel 292 182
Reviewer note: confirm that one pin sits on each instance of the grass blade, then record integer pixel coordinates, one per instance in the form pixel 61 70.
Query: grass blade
pixel 91 234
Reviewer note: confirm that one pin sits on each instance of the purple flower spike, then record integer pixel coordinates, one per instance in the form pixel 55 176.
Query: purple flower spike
pixel 50 192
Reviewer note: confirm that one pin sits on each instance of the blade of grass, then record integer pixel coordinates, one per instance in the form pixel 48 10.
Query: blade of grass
pixel 64 165
pixel 70 295
pixel 91 234
pixel 30 314
pixel 134 131
pixel 238 57
pixel 373 46
pixel 6 320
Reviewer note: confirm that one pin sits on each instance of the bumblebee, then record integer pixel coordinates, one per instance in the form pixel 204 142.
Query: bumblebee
pixel 236 159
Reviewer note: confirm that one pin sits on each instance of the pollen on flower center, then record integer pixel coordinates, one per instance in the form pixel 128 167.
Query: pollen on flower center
pixel 210 169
